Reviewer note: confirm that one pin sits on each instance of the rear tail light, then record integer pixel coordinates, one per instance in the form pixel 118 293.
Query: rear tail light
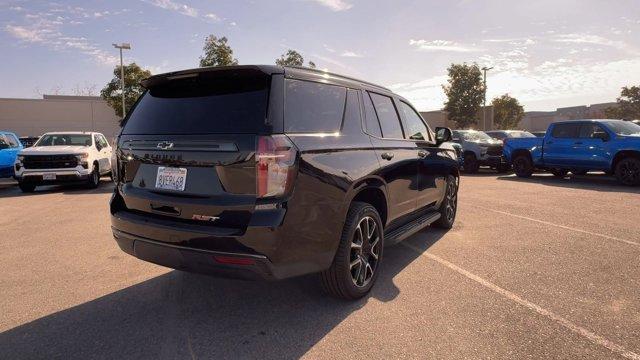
pixel 275 168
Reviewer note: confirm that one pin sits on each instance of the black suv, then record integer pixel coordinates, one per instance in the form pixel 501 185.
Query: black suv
pixel 272 172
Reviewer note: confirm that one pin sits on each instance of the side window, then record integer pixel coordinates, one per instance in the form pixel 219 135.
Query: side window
pixel 103 140
pixel 312 107
pixel 498 135
pixel 96 142
pixel 12 141
pixel 415 127
pixel 592 131
pixel 371 119
pixel 388 116
pixel 565 131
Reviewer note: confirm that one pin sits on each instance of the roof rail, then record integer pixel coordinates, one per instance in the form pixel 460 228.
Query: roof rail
pixel 318 71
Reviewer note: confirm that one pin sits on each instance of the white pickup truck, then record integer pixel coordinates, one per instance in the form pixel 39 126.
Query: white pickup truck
pixel 64 157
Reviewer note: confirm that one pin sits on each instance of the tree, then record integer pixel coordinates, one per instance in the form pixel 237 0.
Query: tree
pixel 628 105
pixel 112 92
pixel 465 92
pixel 293 58
pixel 217 52
pixel 507 112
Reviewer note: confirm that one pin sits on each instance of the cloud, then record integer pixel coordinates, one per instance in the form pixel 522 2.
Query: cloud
pixel 352 54
pixel 212 16
pixel 335 5
pixel 174 6
pixel 441 45
pixel 45 29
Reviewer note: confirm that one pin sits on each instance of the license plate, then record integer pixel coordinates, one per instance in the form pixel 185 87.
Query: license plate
pixel 170 178
pixel 48 176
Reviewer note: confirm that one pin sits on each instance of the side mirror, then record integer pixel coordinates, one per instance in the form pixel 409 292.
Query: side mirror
pixel 443 134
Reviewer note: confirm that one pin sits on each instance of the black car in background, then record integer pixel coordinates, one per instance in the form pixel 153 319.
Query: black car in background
pixel 272 172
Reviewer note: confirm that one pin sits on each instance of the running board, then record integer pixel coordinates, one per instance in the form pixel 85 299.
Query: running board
pixel 403 232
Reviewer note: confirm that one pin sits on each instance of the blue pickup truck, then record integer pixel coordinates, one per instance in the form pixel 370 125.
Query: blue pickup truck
pixel 612 146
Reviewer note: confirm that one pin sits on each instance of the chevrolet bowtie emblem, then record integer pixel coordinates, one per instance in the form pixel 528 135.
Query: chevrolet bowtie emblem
pixel 165 145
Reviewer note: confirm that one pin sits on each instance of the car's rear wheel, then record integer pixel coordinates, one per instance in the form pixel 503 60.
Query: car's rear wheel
pixel 471 164
pixel 449 206
pixel 628 171
pixel 94 177
pixel 522 166
pixel 355 267
pixel 27 188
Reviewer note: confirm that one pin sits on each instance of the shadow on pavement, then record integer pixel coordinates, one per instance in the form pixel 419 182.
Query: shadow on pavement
pixel 10 189
pixel 597 182
pixel 182 315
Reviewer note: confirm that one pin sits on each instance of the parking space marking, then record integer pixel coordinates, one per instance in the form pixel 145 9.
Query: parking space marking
pixel 629 242
pixel 592 337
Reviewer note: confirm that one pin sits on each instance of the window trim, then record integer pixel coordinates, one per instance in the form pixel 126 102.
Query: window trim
pixel 378 117
pixel 429 132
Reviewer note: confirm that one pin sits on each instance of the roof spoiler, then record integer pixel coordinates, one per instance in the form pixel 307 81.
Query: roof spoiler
pixel 159 79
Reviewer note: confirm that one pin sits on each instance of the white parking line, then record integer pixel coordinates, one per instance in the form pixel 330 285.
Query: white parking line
pixel 594 338
pixel 558 225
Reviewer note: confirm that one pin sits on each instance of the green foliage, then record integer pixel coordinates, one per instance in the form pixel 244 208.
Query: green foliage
pixel 465 93
pixel 507 112
pixel 217 52
pixel 628 105
pixel 293 58
pixel 112 92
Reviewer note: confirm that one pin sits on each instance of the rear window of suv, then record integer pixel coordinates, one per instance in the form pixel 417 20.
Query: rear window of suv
pixel 202 105
pixel 312 107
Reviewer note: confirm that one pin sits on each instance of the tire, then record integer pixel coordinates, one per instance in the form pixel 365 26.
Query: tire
pixel 27 188
pixel 628 171
pixel 94 178
pixel 344 278
pixel 449 206
pixel 559 173
pixel 522 166
pixel 471 165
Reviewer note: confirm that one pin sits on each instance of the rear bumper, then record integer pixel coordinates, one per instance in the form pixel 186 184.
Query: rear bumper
pixel 218 263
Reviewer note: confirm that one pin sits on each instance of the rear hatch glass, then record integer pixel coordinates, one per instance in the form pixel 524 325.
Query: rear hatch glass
pixel 204 104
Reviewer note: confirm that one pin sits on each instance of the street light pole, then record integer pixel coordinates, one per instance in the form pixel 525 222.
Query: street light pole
pixel 484 104
pixel 122 46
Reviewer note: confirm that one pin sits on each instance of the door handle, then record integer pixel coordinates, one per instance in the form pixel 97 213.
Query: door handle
pixel 422 153
pixel 387 156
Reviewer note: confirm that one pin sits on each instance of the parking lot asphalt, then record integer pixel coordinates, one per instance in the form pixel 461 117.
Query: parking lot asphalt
pixel 534 268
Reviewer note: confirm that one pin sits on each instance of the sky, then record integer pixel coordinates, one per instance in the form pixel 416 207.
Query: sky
pixel 547 54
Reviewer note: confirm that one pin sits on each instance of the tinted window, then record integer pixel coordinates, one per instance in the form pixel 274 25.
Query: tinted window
pixel 388 116
pixel 371 119
pixel 623 127
pixel 415 128
pixel 593 131
pixel 497 135
pixel 207 105
pixel 565 130
pixel 313 107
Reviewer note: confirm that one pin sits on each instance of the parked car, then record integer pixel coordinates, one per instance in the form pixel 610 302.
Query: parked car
pixel 505 134
pixel 539 133
pixel 480 149
pixel 9 148
pixel 612 146
pixel 64 157
pixel 272 172
pixel 28 141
